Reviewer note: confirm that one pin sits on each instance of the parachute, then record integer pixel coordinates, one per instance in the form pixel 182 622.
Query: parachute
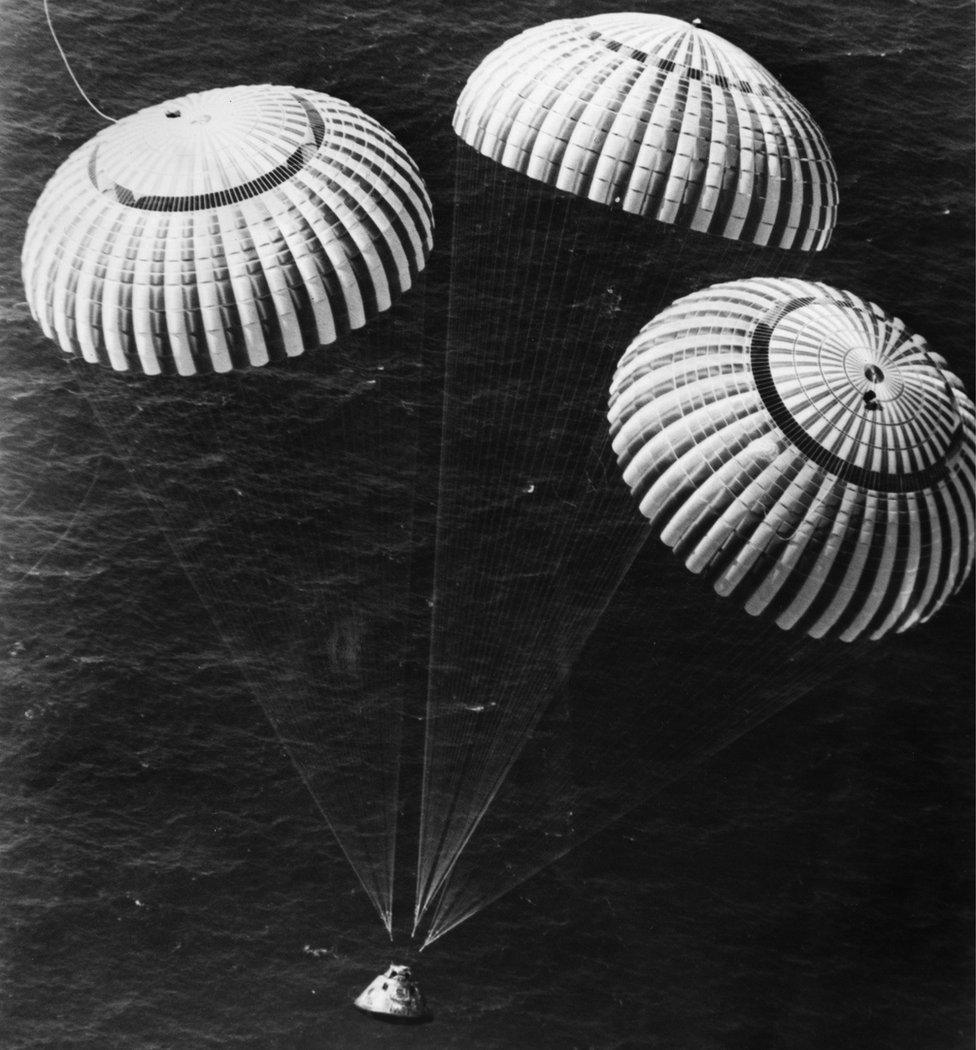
pixel 659 118
pixel 224 229
pixel 803 450
pixel 199 248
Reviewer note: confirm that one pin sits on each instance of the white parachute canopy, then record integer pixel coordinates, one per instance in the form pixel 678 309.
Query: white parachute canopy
pixel 225 229
pixel 805 451
pixel 659 118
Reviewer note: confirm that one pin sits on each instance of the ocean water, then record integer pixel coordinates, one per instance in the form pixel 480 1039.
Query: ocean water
pixel 166 880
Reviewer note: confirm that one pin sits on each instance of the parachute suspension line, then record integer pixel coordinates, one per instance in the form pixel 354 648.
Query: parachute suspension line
pixel 522 335
pixel 338 627
pixel 576 627
pixel 303 707
pixel 618 553
pixel 287 703
pixel 455 908
pixel 407 788
pixel 207 600
pixel 642 770
pixel 108 427
pixel 467 383
pixel 495 435
pixel 399 607
pixel 354 581
pixel 539 464
pixel 66 531
pixel 284 695
pixel 584 623
pixel 468 386
pixel 583 343
pixel 698 740
pixel 458 337
pixel 515 719
pixel 439 894
pixel 67 66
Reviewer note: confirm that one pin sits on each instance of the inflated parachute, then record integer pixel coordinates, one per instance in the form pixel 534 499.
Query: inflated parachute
pixel 805 451
pixel 659 118
pixel 186 244
pixel 224 229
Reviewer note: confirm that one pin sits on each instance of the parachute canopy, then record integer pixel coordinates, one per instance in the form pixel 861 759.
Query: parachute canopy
pixel 659 118
pixel 804 450
pixel 225 229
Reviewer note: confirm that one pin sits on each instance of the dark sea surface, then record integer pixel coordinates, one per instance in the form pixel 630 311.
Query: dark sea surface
pixel 166 879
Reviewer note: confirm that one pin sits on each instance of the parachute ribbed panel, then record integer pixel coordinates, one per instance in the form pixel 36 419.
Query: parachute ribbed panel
pixel 225 229
pixel 657 117
pixel 804 451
